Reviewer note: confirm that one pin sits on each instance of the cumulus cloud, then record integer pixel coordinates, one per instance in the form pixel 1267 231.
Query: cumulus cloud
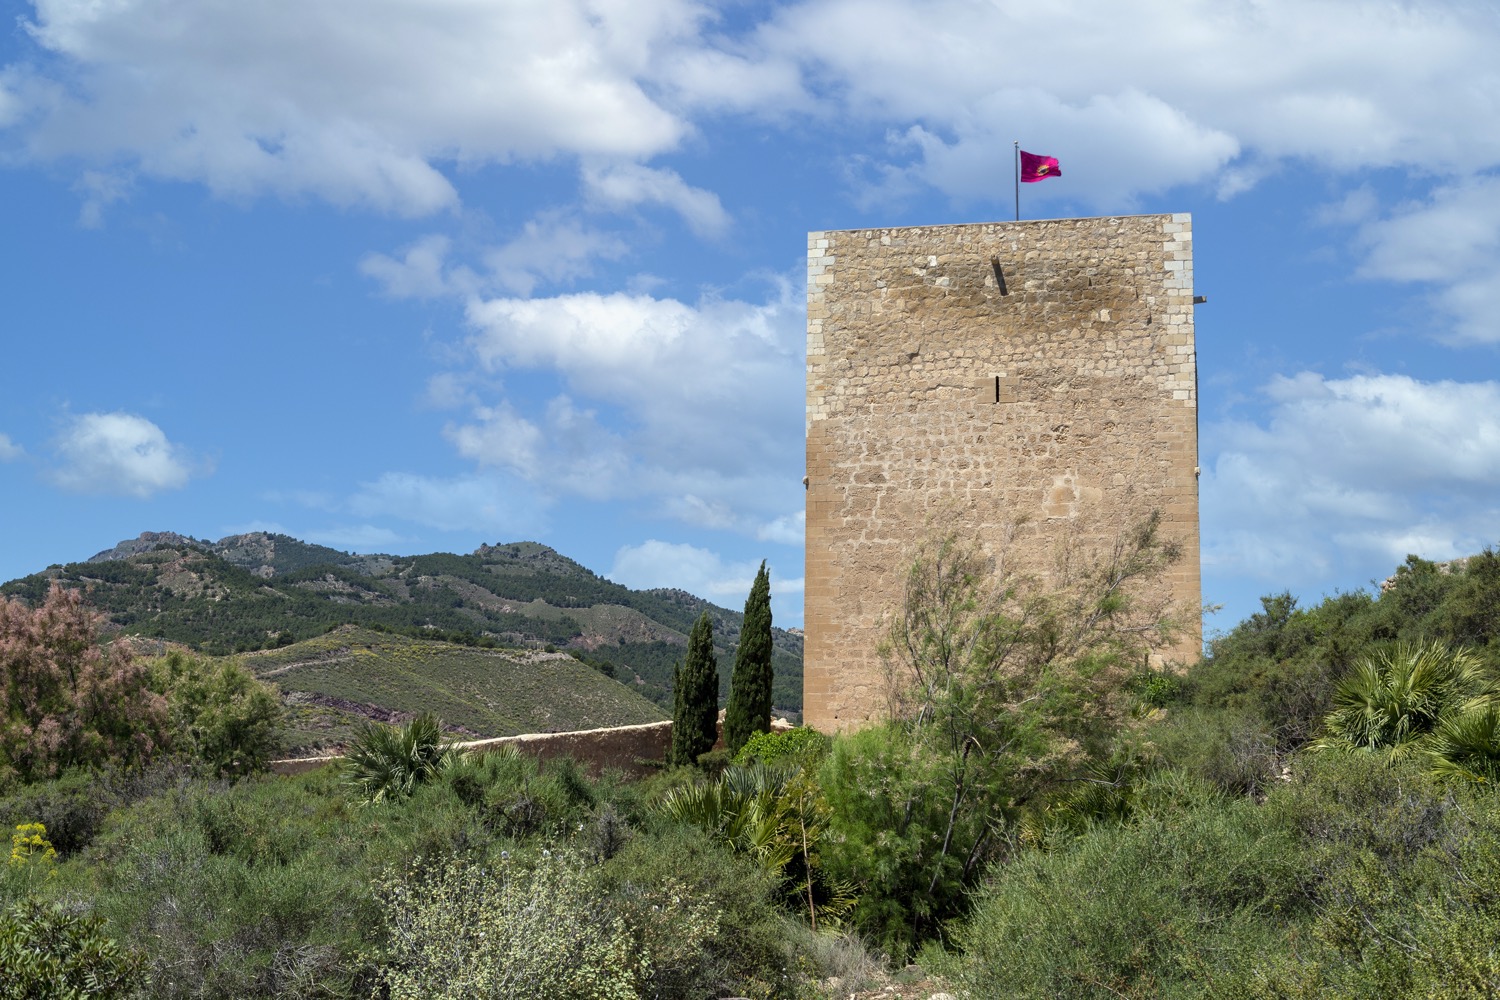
pixel 373 102
pixel 350 101
pixel 696 408
pixel 421 272
pixel 789 529
pixel 1343 83
pixel 1450 241
pixel 120 454
pixel 1353 473
pixel 630 184
pixel 699 571
pixel 550 248
pixel 9 450
pixel 554 247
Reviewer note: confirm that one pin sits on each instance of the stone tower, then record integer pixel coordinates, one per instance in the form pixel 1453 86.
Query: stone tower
pixel 977 377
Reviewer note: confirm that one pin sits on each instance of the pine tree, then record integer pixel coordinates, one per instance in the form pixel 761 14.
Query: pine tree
pixel 749 710
pixel 695 696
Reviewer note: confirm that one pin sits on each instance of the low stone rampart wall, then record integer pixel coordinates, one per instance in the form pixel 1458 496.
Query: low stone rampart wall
pixel 635 750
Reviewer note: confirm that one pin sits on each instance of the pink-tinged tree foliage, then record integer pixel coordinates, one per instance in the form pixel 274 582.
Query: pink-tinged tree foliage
pixel 65 700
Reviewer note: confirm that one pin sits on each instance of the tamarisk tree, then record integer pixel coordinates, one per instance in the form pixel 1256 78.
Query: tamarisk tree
pixel 64 700
pixel 695 696
pixel 749 710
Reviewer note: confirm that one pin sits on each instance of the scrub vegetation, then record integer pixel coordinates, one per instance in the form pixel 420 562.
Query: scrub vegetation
pixel 1308 811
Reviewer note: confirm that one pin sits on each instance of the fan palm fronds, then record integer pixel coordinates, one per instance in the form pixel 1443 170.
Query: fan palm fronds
pixel 1467 747
pixel 388 762
pixel 1394 701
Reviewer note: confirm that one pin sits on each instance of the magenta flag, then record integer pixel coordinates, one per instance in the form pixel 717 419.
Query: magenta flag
pixel 1038 168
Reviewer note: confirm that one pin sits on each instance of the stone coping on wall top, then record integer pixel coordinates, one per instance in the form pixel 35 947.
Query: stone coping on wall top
pixel 1173 216
pixel 299 765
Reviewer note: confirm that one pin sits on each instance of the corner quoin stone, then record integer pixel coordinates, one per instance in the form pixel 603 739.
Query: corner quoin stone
pixel 1020 383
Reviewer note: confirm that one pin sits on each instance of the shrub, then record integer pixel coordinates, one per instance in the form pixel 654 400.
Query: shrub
pixel 802 746
pixel 219 712
pixel 1170 906
pixel 387 762
pixel 47 953
pixel 64 701
pixel 746 953
pixel 532 928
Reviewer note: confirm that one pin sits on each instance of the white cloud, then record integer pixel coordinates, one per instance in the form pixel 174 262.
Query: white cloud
pixel 1353 473
pixel 9 450
pixel 1343 83
pixel 697 408
pixel 1111 146
pixel 354 101
pixel 553 247
pixel 568 452
pixel 420 273
pixel 789 529
pixel 375 102
pixel 624 185
pixel 120 454
pixel 100 189
pixel 654 564
pixel 1451 241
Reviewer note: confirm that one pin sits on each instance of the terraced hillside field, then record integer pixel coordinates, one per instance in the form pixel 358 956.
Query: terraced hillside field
pixel 330 682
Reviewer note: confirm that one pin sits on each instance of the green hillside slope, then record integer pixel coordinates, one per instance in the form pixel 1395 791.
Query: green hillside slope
pixel 332 680
pixel 259 591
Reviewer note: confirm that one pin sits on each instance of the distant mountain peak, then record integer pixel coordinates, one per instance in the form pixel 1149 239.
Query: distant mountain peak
pixel 145 542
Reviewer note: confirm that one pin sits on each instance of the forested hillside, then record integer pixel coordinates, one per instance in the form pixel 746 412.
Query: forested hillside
pixel 259 591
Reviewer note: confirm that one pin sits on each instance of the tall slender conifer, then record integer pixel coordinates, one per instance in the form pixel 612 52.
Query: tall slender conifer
pixel 695 696
pixel 749 710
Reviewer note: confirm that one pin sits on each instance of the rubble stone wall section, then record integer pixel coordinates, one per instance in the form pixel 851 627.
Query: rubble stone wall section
pixel 633 750
pixel 1030 385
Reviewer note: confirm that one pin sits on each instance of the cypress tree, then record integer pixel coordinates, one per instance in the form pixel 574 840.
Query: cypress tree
pixel 749 710
pixel 695 697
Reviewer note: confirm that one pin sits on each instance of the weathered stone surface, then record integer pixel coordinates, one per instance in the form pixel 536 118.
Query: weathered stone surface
pixel 1063 408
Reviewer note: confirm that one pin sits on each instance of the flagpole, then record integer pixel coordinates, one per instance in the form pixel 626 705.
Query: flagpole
pixel 1015 162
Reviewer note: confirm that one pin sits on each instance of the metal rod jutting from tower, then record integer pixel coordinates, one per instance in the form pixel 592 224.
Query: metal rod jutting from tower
pixel 1015 162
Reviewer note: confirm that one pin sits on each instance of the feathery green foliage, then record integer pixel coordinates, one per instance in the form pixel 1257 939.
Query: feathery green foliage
pixel 1006 694
pixel 695 694
pixel 749 709
pixel 219 712
pixel 48 953
pixel 777 815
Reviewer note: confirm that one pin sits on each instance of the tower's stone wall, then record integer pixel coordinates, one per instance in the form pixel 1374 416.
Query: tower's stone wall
pixel 1018 383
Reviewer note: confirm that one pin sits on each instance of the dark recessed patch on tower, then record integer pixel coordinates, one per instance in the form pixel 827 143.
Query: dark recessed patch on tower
pixel 999 276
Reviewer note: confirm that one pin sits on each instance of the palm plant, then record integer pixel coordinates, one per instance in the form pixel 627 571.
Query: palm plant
pixel 776 815
pixel 388 762
pixel 1394 701
pixel 1467 747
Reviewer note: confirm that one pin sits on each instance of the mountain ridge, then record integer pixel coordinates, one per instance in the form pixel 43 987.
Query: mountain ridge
pixel 258 590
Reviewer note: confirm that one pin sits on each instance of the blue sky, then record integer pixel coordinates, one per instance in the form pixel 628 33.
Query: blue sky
pixel 414 275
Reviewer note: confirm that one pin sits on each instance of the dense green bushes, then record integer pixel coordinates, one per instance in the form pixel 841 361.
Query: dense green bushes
pixel 1045 816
